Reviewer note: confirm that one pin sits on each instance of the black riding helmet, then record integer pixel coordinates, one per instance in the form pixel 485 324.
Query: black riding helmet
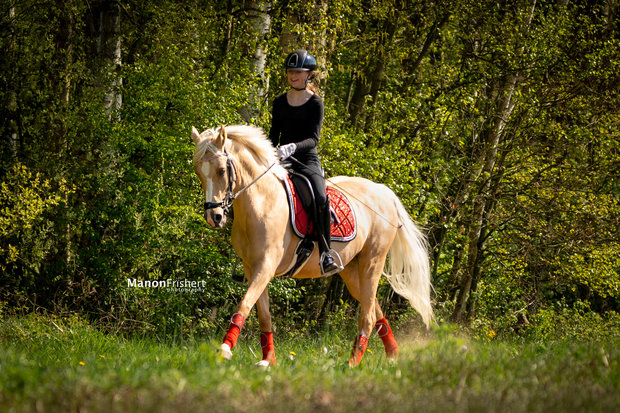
pixel 300 59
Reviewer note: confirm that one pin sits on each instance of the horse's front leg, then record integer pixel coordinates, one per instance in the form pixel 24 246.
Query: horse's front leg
pixel 266 335
pixel 258 284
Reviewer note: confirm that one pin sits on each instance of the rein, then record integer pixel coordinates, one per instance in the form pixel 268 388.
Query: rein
pixel 230 196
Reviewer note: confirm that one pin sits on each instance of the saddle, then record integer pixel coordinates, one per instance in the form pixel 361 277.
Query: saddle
pixel 302 209
pixel 302 205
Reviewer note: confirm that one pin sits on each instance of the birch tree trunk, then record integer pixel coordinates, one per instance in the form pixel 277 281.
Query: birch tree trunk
pixel 261 25
pixel 260 22
pixel 109 50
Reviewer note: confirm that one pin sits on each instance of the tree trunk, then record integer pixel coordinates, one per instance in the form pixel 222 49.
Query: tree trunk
pixel 483 173
pixel 109 51
pixel 260 21
pixel 334 294
pixel 261 24
pixel 60 74
pixel 228 28
pixel 360 91
pixel 12 120
pixel 376 79
pixel 289 40
pixel 432 35
pixel 369 78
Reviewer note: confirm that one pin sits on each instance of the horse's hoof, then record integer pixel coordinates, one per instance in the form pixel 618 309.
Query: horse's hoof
pixel 263 364
pixel 225 351
pixel 392 355
pixel 392 359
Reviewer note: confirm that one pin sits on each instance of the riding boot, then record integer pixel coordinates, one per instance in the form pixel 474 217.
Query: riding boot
pixel 329 265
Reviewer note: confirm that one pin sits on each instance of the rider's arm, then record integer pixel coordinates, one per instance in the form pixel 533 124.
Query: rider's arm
pixel 315 122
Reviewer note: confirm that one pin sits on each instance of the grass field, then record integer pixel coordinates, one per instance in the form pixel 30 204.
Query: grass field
pixel 52 365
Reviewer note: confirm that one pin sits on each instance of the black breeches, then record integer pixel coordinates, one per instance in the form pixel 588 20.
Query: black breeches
pixel 313 171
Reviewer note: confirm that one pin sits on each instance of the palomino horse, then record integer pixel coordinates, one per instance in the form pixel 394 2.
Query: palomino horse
pixel 238 163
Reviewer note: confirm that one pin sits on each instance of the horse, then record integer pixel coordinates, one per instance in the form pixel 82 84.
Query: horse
pixel 238 168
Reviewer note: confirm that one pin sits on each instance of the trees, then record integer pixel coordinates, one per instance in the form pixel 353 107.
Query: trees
pixel 496 123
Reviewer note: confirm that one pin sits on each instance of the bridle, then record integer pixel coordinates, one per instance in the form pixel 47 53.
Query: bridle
pixel 230 195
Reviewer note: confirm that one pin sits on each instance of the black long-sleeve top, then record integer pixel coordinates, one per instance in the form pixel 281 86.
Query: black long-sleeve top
pixel 300 125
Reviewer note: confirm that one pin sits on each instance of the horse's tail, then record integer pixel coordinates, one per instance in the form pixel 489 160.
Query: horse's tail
pixel 408 269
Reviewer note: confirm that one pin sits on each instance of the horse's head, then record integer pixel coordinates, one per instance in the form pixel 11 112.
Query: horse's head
pixel 214 168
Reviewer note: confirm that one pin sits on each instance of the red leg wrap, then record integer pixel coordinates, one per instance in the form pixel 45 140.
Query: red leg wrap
pixel 236 324
pixel 359 347
pixel 269 350
pixel 385 333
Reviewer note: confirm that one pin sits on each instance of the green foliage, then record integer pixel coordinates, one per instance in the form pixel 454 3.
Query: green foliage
pixel 27 202
pixel 518 195
pixel 575 323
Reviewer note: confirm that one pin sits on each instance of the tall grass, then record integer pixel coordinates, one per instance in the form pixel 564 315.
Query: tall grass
pixel 47 364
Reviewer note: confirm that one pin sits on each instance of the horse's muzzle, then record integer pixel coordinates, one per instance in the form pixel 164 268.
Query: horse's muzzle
pixel 215 217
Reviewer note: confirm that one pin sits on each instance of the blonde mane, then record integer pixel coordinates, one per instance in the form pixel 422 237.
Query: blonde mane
pixel 249 137
pixel 253 139
pixel 239 138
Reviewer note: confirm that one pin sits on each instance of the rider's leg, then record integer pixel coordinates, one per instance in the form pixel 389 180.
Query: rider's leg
pixel 329 265
pixel 322 218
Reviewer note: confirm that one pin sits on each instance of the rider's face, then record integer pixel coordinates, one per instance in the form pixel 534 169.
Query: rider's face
pixel 297 78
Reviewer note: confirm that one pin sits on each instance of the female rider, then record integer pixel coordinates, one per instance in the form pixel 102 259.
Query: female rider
pixel 296 121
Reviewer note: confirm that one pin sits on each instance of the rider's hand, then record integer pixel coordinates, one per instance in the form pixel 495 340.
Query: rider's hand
pixel 285 151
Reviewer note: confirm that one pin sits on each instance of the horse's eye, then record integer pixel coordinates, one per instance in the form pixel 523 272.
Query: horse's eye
pixel 221 172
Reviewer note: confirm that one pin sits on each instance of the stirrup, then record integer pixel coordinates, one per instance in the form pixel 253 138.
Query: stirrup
pixel 337 261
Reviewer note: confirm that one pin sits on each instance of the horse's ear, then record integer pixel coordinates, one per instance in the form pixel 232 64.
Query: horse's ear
pixel 195 135
pixel 221 138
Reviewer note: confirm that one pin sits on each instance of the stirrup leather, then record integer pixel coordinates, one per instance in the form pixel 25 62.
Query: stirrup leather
pixel 337 260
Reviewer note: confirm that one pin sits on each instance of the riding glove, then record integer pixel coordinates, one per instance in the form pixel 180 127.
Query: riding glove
pixel 285 151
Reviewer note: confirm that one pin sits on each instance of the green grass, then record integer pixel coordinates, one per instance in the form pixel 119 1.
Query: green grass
pixel 47 364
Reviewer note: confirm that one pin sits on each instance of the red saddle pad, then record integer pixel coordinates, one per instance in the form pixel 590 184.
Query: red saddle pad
pixel 343 227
